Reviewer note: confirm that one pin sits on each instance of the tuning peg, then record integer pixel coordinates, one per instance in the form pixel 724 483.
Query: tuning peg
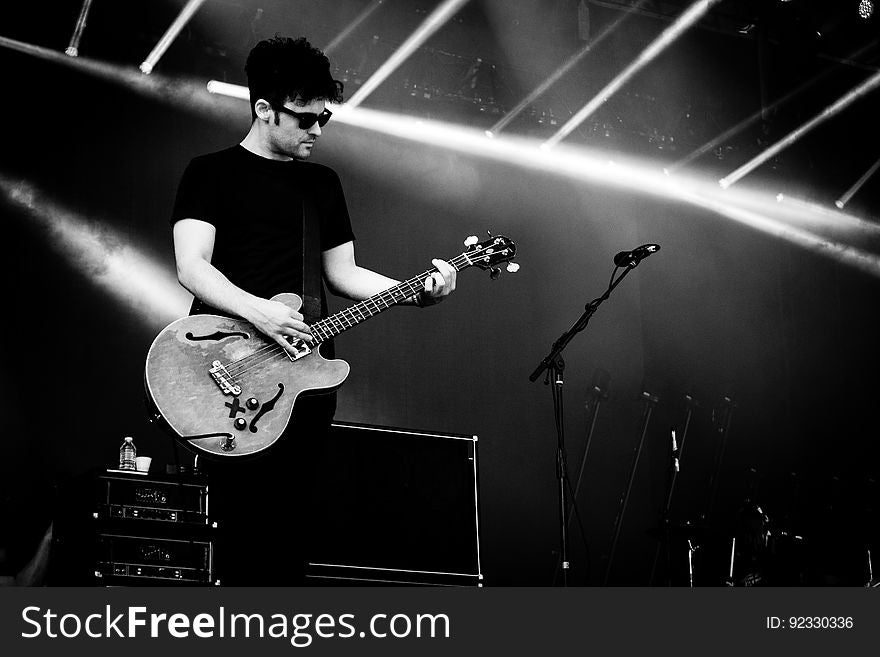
pixel 494 273
pixel 512 267
pixel 471 241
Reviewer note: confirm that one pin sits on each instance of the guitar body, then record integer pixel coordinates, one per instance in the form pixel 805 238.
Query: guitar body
pixel 225 389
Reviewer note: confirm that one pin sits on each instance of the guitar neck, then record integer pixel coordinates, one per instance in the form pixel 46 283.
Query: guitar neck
pixel 353 315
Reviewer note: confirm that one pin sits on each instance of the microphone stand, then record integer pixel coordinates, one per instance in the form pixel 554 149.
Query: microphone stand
pixel 597 395
pixel 554 364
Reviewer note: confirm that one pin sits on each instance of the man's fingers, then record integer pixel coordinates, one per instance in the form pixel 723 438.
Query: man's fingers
pixel 441 282
pixel 292 328
pixel 297 329
pixel 447 273
pixel 291 341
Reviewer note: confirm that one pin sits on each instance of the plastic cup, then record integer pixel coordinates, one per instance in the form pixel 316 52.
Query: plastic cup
pixel 142 463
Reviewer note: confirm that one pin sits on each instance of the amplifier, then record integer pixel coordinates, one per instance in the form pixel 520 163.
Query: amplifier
pixel 132 560
pixel 396 506
pixel 169 499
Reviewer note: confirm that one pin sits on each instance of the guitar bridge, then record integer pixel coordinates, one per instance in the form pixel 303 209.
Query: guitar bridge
pixel 223 379
pixel 300 349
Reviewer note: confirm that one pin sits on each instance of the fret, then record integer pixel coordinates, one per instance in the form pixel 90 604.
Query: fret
pixel 345 319
pixel 337 323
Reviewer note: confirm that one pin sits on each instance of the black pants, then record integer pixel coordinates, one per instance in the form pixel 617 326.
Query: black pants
pixel 262 505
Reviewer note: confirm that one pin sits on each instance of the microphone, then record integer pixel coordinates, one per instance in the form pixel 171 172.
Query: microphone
pixel 634 257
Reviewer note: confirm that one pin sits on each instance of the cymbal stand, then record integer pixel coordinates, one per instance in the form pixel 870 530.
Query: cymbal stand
pixel 677 455
pixel 596 396
pixel 650 402
pixel 692 548
pixel 868 526
pixel 722 427
pixel 730 580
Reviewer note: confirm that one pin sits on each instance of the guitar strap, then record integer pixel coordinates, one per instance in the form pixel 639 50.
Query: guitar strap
pixel 311 260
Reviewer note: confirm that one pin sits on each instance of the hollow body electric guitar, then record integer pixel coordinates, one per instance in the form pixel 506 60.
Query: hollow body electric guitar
pixel 225 389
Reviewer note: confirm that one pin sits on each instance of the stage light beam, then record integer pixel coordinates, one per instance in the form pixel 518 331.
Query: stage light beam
pixel 842 103
pixel 557 74
pixel 182 93
pixel 761 112
pixel 743 207
pixel 170 35
pixel 103 255
pixel 843 200
pixel 73 48
pixel 351 27
pixel 668 36
pixel 429 26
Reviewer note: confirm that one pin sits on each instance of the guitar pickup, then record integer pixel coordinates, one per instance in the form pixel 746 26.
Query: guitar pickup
pixel 300 348
pixel 223 379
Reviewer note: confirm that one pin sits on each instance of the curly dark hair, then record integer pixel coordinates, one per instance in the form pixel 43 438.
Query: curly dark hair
pixel 281 68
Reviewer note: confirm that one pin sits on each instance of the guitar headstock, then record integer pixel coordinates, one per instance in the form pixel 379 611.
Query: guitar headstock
pixel 490 253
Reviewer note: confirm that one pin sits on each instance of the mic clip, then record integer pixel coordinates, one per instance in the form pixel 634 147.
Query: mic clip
pixel 632 258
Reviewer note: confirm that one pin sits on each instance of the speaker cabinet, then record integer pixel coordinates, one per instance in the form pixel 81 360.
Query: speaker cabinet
pixel 396 507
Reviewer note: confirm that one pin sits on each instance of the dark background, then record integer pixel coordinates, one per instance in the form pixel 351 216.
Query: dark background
pixel 788 336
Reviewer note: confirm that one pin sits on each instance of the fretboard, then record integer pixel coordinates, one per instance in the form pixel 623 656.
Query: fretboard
pixel 353 315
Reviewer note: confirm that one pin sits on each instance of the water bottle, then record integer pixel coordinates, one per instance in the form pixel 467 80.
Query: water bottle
pixel 127 454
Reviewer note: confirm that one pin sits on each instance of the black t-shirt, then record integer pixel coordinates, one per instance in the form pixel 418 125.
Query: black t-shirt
pixel 257 205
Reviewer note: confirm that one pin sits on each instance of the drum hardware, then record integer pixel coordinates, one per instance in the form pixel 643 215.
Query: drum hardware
pixel 650 402
pixel 665 529
pixel 722 417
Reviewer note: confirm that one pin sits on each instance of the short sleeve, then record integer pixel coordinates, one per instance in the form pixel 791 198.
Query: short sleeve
pixel 336 228
pixel 195 200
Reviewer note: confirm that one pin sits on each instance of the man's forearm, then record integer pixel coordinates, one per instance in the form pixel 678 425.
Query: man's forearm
pixel 361 284
pixel 209 285
pixel 273 318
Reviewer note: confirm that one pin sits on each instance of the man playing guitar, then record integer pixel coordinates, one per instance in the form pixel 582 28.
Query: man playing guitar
pixel 253 221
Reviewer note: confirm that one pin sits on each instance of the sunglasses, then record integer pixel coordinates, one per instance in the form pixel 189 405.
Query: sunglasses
pixel 307 119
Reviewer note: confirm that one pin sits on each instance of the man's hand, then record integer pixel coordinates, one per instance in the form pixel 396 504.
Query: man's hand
pixel 279 322
pixel 438 285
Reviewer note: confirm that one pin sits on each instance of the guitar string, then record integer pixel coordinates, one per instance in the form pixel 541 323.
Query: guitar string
pixel 345 319
pixel 274 350
pixel 347 315
pixel 279 353
pixel 352 317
